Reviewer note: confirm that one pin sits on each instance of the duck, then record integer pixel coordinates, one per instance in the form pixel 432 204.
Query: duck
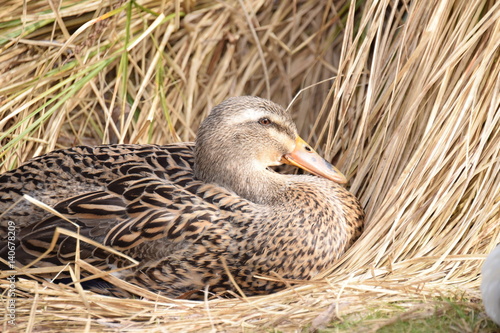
pixel 490 285
pixel 211 216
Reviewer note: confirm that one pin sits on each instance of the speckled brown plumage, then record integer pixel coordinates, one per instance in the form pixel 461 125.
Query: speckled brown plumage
pixel 146 201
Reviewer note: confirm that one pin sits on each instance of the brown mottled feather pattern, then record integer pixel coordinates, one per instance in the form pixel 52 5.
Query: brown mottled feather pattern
pixel 144 200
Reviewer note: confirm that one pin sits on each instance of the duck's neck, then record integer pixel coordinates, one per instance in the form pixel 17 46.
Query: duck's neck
pixel 261 186
pixel 264 187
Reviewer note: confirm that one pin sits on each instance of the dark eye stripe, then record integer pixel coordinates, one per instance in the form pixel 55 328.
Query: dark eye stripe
pixel 284 129
pixel 277 126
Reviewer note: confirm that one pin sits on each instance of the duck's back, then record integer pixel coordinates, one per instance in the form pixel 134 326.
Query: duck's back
pixel 62 174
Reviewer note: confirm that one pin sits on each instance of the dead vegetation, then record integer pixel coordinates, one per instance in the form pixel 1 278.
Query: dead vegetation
pixel 403 96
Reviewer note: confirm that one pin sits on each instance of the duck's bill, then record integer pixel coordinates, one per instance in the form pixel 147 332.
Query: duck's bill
pixel 304 157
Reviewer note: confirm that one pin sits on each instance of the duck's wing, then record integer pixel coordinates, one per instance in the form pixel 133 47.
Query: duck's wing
pixel 132 211
pixel 177 234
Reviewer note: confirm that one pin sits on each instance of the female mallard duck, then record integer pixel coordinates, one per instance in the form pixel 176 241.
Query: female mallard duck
pixel 191 213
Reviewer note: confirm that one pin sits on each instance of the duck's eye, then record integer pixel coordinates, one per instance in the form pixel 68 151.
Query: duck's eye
pixel 264 121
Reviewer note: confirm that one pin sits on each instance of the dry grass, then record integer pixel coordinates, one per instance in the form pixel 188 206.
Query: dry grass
pixel 403 96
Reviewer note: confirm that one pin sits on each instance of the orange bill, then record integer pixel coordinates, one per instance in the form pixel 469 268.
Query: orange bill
pixel 304 157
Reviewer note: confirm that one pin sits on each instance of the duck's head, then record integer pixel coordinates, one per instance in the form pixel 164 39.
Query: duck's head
pixel 242 137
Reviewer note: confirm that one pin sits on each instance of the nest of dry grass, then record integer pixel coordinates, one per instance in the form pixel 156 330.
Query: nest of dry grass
pixel 403 96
